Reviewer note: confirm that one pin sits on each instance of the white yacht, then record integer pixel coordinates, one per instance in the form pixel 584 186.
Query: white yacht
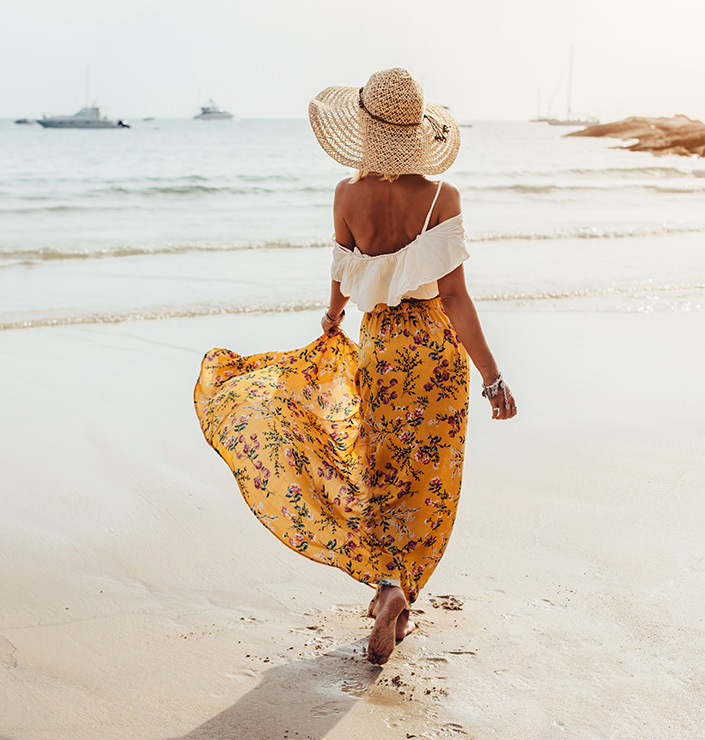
pixel 570 118
pixel 88 117
pixel 212 112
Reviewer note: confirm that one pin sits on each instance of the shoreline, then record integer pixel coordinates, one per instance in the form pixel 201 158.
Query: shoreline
pixel 145 601
pixel 625 273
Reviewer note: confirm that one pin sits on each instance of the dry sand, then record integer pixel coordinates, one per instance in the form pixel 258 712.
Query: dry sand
pixel 141 600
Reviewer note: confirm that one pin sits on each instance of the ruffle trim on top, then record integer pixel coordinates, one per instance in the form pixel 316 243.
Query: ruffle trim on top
pixel 387 278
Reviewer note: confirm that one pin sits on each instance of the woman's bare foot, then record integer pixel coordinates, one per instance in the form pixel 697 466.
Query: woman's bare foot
pixel 404 625
pixel 390 604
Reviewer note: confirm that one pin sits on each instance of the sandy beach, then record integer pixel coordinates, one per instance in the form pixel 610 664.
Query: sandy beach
pixel 140 598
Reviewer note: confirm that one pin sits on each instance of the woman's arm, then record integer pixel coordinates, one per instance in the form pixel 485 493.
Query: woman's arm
pixel 336 309
pixel 462 314
pixel 336 306
pixel 343 235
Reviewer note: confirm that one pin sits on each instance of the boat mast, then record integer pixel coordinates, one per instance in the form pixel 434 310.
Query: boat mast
pixel 86 104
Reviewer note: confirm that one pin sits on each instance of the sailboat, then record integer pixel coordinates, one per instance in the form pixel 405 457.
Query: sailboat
pixel 570 120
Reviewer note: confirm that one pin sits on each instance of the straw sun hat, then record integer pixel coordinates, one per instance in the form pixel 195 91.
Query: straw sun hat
pixel 385 126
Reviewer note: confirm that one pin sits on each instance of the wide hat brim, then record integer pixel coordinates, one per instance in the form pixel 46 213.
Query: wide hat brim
pixel 353 138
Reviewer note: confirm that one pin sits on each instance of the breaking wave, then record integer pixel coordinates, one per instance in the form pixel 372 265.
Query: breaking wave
pixel 626 231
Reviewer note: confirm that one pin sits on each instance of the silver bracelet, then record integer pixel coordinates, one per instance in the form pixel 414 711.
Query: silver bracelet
pixel 334 321
pixel 492 389
pixel 495 388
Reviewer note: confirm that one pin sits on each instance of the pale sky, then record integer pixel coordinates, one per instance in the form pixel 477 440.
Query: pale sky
pixel 486 60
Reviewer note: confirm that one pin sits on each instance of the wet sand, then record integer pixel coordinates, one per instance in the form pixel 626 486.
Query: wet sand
pixel 140 599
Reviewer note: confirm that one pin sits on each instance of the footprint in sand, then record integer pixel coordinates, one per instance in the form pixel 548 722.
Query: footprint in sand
pixel 353 688
pixel 325 710
pixel 453 728
pixel 447 602
pixel 546 604
pixel 306 630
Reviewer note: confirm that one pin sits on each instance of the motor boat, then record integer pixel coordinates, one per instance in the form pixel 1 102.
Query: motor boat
pixel 24 121
pixel 213 112
pixel 88 117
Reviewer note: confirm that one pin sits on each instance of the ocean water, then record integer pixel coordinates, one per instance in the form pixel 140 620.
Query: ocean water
pixel 185 218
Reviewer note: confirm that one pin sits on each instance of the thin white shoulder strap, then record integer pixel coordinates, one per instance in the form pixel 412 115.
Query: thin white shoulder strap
pixel 435 198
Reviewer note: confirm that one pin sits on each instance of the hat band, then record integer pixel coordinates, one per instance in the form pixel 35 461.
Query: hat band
pixel 439 130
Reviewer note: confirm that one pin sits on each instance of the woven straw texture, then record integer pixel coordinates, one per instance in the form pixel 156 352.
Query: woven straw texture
pixel 353 135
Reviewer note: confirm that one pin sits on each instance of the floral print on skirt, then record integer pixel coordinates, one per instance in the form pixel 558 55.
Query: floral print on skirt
pixel 350 455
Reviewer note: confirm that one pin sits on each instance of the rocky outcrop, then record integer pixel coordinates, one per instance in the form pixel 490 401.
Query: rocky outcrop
pixel 678 135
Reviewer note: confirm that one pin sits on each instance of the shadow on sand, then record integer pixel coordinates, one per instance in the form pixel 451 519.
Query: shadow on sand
pixel 303 700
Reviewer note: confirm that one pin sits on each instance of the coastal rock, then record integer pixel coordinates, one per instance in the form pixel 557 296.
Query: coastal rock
pixel 677 135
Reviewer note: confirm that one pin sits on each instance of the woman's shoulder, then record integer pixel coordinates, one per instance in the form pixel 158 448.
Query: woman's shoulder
pixel 343 186
pixel 448 204
pixel 344 199
pixel 449 190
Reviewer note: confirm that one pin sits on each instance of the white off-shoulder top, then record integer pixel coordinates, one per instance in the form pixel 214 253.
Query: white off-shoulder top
pixel 410 272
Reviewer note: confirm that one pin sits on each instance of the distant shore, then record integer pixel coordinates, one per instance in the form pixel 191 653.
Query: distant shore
pixel 677 135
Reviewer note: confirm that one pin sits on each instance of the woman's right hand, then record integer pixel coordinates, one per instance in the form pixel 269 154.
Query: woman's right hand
pixel 329 326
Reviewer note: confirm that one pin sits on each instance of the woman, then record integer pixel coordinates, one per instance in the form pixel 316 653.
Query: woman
pixel 352 455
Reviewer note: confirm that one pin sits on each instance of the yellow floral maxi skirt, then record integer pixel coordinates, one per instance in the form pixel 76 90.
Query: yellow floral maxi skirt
pixel 351 455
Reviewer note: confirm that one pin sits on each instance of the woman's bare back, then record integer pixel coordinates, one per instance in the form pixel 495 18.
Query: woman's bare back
pixel 380 217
